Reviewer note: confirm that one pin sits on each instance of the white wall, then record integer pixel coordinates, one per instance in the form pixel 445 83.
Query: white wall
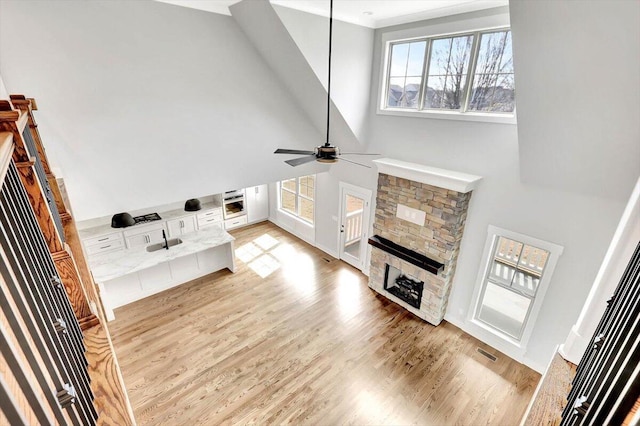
pixel 4 94
pixel 352 55
pixel 110 100
pixel 583 224
pixel 623 244
pixel 261 24
pixel 144 103
pixel 352 51
pixel 578 94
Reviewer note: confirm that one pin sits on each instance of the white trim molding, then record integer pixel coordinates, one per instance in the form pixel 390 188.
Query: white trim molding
pixel 615 261
pixel 512 347
pixel 449 179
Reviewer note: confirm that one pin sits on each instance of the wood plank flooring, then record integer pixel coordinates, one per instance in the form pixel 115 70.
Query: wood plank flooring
pixel 296 337
pixel 551 398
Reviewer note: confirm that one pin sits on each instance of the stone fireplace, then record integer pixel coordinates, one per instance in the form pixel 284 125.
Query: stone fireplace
pixel 419 221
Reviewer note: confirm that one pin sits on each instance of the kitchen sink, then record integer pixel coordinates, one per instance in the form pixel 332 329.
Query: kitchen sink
pixel 160 246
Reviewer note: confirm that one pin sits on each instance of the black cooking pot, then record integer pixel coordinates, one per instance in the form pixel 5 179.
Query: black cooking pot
pixel 122 220
pixel 192 205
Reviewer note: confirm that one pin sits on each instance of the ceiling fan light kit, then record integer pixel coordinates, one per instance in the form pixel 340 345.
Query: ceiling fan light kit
pixel 323 153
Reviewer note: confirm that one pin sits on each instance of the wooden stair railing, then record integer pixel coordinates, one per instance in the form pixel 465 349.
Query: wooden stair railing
pixel 25 396
pixel 44 377
pixel 20 123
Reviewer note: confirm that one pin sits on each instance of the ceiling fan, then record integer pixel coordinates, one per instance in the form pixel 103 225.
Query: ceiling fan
pixel 324 153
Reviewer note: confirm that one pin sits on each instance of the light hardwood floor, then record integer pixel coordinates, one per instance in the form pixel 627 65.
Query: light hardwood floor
pixel 308 343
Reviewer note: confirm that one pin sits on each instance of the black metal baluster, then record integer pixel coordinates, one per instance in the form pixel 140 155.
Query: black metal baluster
pixel 612 354
pixel 44 182
pixel 40 289
pixel 21 336
pixel 54 289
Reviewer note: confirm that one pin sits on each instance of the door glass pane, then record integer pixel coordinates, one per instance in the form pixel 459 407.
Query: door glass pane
pixel 504 309
pixel 353 225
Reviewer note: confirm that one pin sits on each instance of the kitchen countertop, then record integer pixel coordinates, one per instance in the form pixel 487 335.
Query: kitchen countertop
pixel 164 216
pixel 117 264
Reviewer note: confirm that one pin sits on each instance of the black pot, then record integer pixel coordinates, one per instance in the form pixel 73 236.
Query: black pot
pixel 122 220
pixel 192 205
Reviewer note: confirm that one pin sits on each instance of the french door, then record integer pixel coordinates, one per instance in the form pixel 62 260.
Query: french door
pixel 355 205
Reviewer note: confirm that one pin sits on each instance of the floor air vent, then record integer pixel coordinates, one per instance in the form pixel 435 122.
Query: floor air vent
pixel 488 355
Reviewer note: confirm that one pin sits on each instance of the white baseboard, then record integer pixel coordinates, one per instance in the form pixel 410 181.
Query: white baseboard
pixel 463 325
pixel 329 251
pixel 291 231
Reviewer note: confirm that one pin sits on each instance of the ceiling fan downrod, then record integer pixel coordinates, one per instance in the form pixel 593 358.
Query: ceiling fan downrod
pixel 327 144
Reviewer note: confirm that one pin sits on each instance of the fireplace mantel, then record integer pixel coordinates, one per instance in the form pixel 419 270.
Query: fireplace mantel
pixel 449 179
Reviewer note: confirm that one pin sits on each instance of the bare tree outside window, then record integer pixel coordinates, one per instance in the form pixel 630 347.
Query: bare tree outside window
pixel 493 88
pixel 465 73
pixel 448 69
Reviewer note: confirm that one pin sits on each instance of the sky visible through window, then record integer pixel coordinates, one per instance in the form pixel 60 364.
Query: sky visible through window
pixel 450 61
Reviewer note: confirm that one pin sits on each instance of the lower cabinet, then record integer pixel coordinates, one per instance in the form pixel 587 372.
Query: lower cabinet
pixel 236 222
pixel 143 235
pixel 184 268
pixel 209 218
pixel 138 285
pixel 181 226
pixel 155 277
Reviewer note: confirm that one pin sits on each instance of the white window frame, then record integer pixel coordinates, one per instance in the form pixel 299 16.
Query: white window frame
pixel 502 341
pixel 298 195
pixel 492 117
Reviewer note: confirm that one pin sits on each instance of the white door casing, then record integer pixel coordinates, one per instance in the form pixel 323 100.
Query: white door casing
pixel 353 228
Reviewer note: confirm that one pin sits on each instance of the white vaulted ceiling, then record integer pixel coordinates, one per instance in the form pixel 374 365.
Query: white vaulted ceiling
pixel 368 13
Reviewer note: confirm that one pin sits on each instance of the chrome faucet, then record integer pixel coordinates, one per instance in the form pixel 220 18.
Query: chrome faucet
pixel 166 243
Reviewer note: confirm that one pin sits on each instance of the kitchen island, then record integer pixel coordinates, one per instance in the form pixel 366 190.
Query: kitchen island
pixel 132 274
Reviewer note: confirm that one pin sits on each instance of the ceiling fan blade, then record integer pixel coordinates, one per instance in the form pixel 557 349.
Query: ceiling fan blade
pixel 357 153
pixel 301 160
pixel 293 151
pixel 359 164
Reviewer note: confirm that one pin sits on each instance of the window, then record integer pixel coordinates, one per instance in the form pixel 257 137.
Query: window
pixel 464 73
pixel 296 197
pixel 512 285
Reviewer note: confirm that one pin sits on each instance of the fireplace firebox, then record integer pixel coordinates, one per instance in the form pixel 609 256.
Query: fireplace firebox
pixel 403 286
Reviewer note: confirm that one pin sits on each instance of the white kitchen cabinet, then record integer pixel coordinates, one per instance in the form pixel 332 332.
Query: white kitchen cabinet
pixel 105 243
pixel 155 277
pixel 182 225
pixel 143 235
pixel 209 217
pixel 184 268
pixel 235 222
pixel 257 200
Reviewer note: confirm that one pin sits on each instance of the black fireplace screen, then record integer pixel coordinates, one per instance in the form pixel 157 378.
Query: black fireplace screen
pixel 403 286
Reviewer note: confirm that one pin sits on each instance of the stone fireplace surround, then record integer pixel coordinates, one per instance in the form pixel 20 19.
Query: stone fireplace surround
pixel 443 197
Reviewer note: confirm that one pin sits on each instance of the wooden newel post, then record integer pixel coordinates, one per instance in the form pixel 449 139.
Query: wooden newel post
pixel 28 106
pixel 16 121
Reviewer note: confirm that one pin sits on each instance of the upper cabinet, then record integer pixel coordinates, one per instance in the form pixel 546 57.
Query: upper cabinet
pixel 257 199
